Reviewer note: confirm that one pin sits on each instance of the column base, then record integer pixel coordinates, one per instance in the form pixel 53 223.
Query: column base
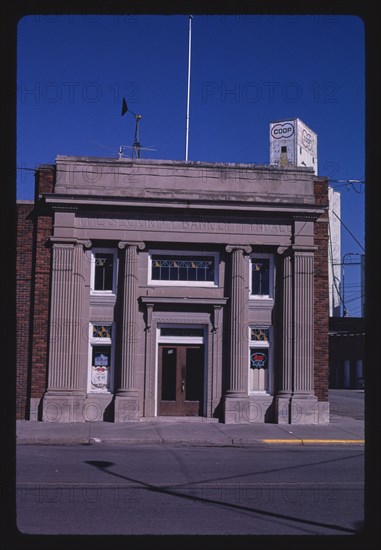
pixel 63 408
pixel 298 408
pixel 304 409
pixel 127 408
pixel 236 409
pixel 261 408
pixel 35 406
pixel 282 407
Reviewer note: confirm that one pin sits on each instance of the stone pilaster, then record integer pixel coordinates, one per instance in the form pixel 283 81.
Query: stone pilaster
pixel 303 402
pixel 283 397
pixel 64 399
pixel 127 395
pixel 236 397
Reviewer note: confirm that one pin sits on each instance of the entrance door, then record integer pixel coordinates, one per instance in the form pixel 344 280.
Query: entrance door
pixel 181 380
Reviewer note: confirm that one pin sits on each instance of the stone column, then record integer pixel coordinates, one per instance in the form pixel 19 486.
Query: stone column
pixel 127 395
pixel 236 397
pixel 303 401
pixel 284 374
pixel 64 399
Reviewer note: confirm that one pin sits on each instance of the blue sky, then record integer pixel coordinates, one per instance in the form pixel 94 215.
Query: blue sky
pixel 247 70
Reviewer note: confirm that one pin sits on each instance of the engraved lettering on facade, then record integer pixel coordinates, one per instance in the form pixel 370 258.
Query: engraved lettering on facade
pixel 200 225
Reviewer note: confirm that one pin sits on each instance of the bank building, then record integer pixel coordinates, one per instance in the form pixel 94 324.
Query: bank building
pixel 157 288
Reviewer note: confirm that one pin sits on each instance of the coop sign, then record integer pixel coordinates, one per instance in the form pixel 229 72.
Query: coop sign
pixel 284 130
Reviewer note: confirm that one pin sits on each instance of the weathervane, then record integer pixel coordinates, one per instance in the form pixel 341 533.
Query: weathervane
pixel 136 145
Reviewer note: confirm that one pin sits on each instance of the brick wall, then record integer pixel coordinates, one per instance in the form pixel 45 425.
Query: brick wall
pixel 45 177
pixel 33 273
pixel 24 260
pixel 321 299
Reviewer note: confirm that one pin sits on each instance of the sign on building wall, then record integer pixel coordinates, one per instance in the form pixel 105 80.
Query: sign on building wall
pixel 293 143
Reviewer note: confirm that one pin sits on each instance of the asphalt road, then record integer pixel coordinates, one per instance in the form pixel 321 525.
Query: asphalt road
pixel 346 403
pixel 164 489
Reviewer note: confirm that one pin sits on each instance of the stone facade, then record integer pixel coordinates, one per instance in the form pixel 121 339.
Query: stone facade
pixel 173 288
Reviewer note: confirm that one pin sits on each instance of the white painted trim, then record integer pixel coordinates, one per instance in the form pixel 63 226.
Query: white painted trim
pixel 181 340
pixel 101 342
pixel 112 292
pixel 210 284
pixel 271 276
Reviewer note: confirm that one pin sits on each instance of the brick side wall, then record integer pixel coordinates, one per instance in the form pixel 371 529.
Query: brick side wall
pixel 321 299
pixel 24 261
pixel 41 288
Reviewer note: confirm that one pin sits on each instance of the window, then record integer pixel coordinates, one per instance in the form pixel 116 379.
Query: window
pixel 179 268
pixel 103 271
pixel 262 276
pixel 101 357
pixel 260 378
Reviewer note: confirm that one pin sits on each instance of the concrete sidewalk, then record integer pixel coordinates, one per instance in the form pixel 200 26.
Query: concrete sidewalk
pixel 341 431
pixel 345 428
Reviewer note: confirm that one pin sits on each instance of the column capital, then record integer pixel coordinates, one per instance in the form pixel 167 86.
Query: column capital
pixel 244 247
pixel 140 245
pixel 86 243
pixel 308 250
pixel 282 249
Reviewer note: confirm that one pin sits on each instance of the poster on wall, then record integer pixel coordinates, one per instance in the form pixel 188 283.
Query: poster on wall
pixel 100 370
pixel 259 358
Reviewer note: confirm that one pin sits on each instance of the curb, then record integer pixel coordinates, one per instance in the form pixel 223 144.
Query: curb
pixel 200 443
pixel 314 441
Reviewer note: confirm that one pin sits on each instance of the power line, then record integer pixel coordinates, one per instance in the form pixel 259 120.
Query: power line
pixel 349 231
pixel 348 184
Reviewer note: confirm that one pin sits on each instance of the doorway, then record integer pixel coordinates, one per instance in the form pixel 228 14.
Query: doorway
pixel 181 380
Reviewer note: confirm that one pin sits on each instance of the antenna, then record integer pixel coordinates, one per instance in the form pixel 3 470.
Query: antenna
pixel 136 144
pixel 123 147
pixel 188 87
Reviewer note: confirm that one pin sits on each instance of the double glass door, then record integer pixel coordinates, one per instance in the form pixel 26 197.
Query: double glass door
pixel 181 380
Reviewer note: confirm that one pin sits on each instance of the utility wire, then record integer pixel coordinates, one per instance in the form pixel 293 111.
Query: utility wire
pixel 349 231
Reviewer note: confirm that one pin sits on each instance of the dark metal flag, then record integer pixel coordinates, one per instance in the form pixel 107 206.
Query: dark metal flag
pixel 124 107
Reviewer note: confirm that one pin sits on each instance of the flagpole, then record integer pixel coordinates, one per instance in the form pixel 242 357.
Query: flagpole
pixel 188 93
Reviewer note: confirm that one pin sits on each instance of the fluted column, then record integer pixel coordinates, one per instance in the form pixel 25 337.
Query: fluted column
pixel 304 406
pixel 237 411
pixel 127 397
pixel 295 400
pixel 304 319
pixel 66 320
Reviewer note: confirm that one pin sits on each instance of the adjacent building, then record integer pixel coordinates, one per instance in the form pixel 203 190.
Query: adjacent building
pixel 155 288
pixel 347 352
pixel 334 253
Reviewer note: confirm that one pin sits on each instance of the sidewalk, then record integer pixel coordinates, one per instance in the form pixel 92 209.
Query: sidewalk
pixel 342 430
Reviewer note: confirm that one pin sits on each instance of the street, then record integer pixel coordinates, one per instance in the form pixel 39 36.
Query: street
pixel 167 489
pixel 346 404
